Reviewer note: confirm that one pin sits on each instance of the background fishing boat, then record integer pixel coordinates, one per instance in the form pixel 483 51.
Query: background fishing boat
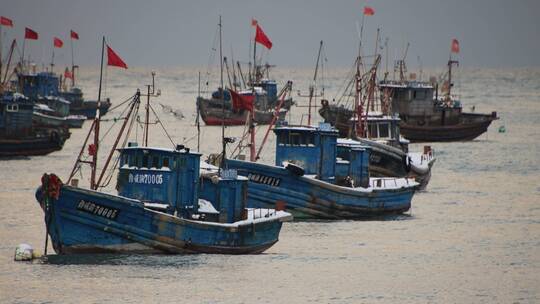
pixel 426 117
pixel 218 108
pixel 18 135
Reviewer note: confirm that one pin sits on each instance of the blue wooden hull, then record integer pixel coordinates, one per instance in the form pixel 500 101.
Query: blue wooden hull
pixel 308 198
pixel 86 221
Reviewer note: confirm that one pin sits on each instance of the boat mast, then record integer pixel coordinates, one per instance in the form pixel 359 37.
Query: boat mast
pixel 198 120
pixel 450 63
pixel 93 184
pixel 11 51
pixel 222 91
pixel 312 87
pixel 72 62
pixel 254 79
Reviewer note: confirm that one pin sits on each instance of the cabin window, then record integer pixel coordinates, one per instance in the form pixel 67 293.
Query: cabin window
pixel 409 95
pixel 383 130
pixel 166 162
pixel 282 138
pixel 420 94
pixel 132 161
pixel 372 130
pixel 12 108
pixel 310 140
pixel 155 162
pixel 124 160
pixel 145 161
pixel 295 139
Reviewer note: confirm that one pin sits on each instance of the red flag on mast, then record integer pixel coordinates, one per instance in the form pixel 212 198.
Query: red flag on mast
pixel 242 101
pixel 6 21
pixel 68 74
pixel 74 35
pixel 369 11
pixel 261 38
pixel 58 43
pixel 253 22
pixel 114 60
pixel 455 46
pixel 30 34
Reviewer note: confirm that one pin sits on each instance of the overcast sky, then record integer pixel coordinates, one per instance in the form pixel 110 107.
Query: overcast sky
pixel 157 33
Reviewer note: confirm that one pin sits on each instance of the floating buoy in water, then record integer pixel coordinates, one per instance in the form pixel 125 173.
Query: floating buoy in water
pixel 502 129
pixel 24 252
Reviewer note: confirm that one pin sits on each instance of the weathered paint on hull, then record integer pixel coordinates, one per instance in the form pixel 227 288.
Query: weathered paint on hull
pixel 460 132
pixel 312 199
pixel 75 231
pixel 90 110
pixel 29 147
pixel 213 116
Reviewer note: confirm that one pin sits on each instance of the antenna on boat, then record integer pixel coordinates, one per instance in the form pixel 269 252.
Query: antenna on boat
pixel 312 86
pixel 151 92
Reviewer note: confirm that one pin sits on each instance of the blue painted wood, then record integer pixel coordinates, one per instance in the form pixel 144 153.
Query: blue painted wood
pixel 307 197
pixel 157 210
pixel 332 188
pixel 139 229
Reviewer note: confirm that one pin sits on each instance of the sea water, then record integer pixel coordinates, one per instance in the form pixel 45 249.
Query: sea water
pixel 472 237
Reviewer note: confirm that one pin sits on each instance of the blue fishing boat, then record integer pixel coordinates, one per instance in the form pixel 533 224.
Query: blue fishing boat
pixel 164 205
pixel 166 202
pixel 52 109
pixel 317 179
pixel 18 136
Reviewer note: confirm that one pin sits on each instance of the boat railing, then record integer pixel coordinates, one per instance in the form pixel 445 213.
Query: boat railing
pixel 428 155
pixel 386 182
pixel 257 213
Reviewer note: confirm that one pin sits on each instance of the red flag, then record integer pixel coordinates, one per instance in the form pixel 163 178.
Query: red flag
pixel 114 59
pixel 253 22
pixel 242 101
pixel 67 74
pixel 58 43
pixel 455 46
pixel 30 34
pixel 6 21
pixel 92 149
pixel 368 11
pixel 74 35
pixel 261 38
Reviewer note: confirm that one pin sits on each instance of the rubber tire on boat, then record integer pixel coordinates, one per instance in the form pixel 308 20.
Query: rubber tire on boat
pixel 294 169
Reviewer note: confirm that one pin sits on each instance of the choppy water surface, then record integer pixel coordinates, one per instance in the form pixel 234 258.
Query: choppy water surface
pixel 474 236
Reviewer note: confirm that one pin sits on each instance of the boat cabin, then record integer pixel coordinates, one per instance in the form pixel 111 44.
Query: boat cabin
pixel 59 105
pixel 409 97
pixel 316 150
pixel 312 148
pixel 269 86
pixel 38 85
pixel 352 163
pixel 169 180
pixel 15 115
pixel 385 128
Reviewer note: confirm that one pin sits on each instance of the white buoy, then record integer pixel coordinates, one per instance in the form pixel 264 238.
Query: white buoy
pixel 24 252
